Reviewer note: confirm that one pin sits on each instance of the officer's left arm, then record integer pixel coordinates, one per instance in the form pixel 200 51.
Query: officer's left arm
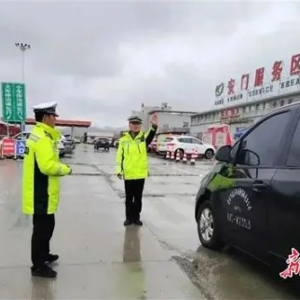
pixel 150 134
pixel 120 158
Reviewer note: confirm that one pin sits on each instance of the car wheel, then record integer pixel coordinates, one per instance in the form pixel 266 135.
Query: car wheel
pixel 209 153
pixel 207 230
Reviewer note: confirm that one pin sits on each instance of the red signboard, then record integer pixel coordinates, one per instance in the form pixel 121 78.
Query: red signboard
pixel 230 113
pixel 220 136
pixel 7 147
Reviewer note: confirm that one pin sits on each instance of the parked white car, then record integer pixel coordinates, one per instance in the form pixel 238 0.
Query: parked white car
pixel 185 143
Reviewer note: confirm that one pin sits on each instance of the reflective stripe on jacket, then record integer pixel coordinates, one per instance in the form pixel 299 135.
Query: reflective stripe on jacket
pixel 41 171
pixel 132 157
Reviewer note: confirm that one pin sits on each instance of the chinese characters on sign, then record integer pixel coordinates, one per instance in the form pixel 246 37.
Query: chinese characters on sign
pixel 277 70
pixel 259 77
pixel 238 91
pixel 7 101
pixel 229 113
pixel 231 85
pixel 293 265
pixel 295 65
pixel 245 82
pixel 13 102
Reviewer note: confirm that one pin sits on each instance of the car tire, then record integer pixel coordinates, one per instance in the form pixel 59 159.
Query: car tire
pixel 208 232
pixel 209 153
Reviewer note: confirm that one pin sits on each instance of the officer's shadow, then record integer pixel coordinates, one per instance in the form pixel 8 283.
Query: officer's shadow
pixel 42 288
pixel 132 245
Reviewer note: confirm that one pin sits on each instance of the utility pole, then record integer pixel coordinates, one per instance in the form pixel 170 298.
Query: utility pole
pixel 23 47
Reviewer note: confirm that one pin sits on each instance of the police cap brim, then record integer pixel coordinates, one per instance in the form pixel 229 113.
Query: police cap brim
pixel 135 120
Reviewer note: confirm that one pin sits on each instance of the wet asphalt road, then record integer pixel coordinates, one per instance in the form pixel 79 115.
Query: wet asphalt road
pixel 100 259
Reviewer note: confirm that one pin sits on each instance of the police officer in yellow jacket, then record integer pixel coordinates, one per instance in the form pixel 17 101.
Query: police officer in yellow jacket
pixel 41 186
pixel 132 166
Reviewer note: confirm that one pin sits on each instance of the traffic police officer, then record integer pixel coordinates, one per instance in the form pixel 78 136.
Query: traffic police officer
pixel 132 165
pixel 41 185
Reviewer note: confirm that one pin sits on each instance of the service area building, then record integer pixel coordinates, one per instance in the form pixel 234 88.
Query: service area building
pixel 241 103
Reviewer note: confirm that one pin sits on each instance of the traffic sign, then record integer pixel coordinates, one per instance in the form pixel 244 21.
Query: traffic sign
pixel 20 147
pixel 13 102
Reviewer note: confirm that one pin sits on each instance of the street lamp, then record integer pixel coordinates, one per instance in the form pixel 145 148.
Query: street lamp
pixel 23 47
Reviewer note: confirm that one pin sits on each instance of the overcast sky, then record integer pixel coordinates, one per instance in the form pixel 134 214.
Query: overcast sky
pixel 100 60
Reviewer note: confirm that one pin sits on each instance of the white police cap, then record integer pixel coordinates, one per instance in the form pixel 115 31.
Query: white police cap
pixel 46 108
pixel 135 119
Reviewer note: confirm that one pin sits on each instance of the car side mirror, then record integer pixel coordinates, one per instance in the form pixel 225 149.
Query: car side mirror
pixel 247 157
pixel 223 154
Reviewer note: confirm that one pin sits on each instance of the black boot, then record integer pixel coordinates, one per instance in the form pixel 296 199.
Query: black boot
pixel 127 222
pixel 138 222
pixel 51 258
pixel 44 271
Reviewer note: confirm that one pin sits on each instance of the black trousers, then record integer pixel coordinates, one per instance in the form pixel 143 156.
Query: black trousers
pixel 133 203
pixel 43 227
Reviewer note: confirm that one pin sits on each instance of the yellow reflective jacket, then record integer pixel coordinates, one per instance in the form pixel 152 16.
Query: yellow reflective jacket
pixel 132 158
pixel 41 171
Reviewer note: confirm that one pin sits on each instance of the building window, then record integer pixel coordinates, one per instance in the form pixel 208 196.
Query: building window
pixel 290 100
pixel 185 124
pixel 281 102
pixel 260 106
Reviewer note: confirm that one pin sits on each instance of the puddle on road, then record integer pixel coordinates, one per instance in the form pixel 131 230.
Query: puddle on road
pixel 232 275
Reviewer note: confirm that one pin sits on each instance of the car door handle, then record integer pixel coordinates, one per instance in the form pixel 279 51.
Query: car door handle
pixel 259 186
